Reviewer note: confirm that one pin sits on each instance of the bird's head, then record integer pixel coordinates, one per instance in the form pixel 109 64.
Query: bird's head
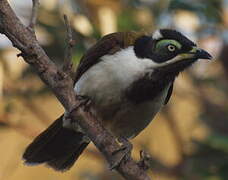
pixel 169 50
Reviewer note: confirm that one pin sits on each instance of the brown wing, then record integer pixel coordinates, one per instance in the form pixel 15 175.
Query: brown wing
pixel 109 44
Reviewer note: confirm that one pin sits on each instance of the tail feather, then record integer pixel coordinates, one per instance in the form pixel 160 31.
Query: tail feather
pixel 57 146
pixel 66 162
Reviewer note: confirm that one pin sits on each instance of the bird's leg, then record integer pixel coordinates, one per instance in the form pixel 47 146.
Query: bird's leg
pixel 85 102
pixel 144 161
pixel 124 150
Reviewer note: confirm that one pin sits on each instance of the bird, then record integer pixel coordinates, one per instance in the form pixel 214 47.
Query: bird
pixel 128 77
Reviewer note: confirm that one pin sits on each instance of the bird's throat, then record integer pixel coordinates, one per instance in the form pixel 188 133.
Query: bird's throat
pixel 148 87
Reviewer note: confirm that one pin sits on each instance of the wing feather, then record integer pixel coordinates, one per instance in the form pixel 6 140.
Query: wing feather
pixel 109 44
pixel 169 94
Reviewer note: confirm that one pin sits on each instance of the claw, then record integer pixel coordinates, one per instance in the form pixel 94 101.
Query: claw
pixel 124 152
pixel 145 159
pixel 85 102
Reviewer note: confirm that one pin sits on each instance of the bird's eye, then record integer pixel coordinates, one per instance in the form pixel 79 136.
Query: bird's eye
pixel 171 47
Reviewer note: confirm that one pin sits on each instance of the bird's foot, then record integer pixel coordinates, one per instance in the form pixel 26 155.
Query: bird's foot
pixel 124 152
pixel 85 103
pixel 144 161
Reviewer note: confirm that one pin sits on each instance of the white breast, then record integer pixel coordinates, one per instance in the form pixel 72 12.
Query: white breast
pixel 112 74
pixel 105 82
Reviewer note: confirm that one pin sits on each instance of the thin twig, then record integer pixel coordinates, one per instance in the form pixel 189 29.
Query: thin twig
pixel 33 19
pixel 67 65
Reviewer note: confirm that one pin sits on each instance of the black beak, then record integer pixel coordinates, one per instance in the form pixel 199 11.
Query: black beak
pixel 202 54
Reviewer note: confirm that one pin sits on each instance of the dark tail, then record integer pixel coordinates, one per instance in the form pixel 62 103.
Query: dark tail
pixel 57 146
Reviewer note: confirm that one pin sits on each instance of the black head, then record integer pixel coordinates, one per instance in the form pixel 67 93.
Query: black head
pixel 169 50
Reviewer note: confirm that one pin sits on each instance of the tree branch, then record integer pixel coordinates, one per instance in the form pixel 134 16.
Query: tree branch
pixel 35 5
pixel 67 65
pixel 62 86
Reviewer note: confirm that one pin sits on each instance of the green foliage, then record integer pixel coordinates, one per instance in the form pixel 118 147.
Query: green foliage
pixel 219 142
pixel 210 10
pixel 126 21
pixel 211 159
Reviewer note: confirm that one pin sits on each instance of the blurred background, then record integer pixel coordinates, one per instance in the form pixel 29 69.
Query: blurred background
pixel 188 140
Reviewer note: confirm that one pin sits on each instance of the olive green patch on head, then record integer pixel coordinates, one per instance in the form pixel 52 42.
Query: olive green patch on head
pixel 165 42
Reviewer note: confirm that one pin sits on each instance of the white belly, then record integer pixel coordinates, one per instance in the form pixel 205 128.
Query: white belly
pixel 105 83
